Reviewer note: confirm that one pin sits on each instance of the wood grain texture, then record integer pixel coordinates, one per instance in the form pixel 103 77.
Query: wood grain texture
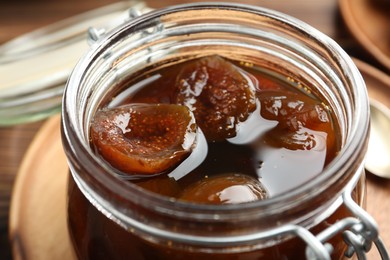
pixel 38 228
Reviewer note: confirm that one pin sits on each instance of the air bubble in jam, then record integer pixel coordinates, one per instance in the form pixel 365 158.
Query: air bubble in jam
pixel 263 135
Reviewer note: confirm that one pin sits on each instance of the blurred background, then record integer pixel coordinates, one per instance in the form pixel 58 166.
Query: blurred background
pixel 21 16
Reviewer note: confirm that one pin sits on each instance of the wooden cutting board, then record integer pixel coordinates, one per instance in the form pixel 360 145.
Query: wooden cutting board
pixel 38 228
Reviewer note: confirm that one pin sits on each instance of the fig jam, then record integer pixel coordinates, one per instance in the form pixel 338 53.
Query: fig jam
pixel 264 127
pixel 244 134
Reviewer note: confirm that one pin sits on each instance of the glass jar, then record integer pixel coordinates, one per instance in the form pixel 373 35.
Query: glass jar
pixel 111 219
pixel 34 67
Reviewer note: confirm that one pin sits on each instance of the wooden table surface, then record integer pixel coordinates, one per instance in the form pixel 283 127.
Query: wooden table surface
pixel 21 16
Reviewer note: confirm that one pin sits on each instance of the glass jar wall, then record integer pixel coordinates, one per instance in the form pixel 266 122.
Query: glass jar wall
pixel 111 218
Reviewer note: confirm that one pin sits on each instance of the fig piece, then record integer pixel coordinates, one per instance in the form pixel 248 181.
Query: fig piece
pixel 144 138
pixel 301 139
pixel 296 114
pixel 218 93
pixel 231 188
pixel 289 108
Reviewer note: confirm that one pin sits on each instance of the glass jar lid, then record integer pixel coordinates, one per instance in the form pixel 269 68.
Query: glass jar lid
pixel 36 66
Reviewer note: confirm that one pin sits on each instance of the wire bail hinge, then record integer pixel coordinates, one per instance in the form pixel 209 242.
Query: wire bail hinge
pixel 358 232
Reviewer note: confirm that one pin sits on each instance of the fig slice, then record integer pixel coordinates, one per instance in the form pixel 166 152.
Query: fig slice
pixel 229 188
pixel 300 119
pixel 144 139
pixel 292 109
pixel 220 94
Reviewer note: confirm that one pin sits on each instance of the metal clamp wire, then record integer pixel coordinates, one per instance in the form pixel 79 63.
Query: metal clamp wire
pixel 359 232
pixel 363 234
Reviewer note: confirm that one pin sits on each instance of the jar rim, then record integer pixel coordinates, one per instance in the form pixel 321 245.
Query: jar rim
pixel 358 129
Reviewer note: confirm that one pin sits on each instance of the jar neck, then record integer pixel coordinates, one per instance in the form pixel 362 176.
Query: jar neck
pixel 242 32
